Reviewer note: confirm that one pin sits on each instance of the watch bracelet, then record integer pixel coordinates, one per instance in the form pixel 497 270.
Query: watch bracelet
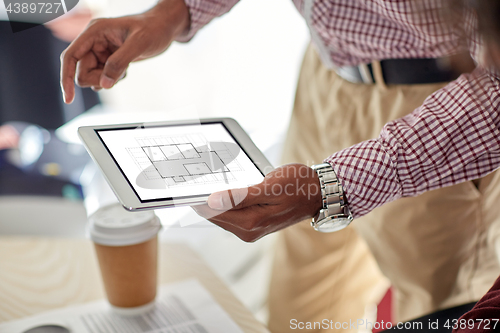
pixel 332 193
pixel 331 188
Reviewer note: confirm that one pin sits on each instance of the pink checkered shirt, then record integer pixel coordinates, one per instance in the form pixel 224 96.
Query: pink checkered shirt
pixel 453 137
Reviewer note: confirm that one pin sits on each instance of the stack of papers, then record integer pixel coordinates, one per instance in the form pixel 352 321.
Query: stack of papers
pixel 184 307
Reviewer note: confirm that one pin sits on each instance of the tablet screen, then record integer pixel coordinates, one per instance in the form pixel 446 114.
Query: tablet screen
pixel 179 161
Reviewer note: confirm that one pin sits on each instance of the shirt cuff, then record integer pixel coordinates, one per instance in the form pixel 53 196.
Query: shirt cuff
pixel 367 175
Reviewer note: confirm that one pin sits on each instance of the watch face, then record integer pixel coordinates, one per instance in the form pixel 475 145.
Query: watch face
pixel 334 225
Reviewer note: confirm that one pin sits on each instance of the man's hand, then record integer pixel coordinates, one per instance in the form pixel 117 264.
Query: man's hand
pixel 287 195
pixel 102 52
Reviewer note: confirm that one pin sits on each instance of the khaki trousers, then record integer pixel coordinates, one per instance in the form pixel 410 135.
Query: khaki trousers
pixel 437 249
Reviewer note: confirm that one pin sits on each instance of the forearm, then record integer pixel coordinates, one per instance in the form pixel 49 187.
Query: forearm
pixel 453 137
pixel 175 12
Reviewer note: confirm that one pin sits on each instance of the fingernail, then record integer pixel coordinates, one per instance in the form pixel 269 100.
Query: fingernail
pixel 215 201
pixel 107 82
pixel 66 99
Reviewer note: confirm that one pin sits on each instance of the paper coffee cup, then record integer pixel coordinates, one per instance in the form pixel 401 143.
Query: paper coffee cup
pixel 127 250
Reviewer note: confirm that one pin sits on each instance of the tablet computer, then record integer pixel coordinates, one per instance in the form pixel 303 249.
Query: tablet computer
pixel 177 163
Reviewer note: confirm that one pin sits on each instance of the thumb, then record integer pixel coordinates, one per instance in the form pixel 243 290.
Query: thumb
pixel 117 63
pixel 235 198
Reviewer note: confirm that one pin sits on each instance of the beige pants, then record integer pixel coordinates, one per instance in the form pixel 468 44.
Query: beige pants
pixel 437 249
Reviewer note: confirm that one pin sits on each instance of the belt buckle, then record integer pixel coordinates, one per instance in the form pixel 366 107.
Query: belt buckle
pixel 355 74
pixel 365 73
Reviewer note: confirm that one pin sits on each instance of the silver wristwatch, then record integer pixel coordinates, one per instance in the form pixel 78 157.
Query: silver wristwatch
pixel 335 214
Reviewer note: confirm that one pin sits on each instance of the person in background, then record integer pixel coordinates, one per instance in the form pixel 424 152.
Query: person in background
pixel 379 102
pixel 30 93
pixel 30 55
pixel 9 138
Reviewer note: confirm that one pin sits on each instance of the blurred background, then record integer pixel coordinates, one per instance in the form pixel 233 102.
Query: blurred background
pixel 243 65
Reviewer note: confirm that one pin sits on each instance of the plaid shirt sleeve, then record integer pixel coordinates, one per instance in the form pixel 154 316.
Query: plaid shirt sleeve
pixel 202 12
pixel 453 137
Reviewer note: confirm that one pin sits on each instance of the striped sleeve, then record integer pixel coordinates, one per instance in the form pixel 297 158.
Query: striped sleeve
pixel 201 12
pixel 453 137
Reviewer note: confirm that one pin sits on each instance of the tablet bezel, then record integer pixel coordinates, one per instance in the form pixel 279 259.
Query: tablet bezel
pixel 120 184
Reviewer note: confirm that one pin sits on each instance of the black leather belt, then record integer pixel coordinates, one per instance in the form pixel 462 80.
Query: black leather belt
pixel 402 71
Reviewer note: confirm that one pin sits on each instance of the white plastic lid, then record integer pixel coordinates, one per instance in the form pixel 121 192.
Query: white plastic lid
pixel 113 225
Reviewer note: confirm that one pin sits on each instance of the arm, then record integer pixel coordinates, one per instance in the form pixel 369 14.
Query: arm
pixel 99 57
pixel 202 12
pixel 484 316
pixel 453 137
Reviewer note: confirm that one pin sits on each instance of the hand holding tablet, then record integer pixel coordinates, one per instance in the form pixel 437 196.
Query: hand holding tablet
pixel 287 195
pixel 152 165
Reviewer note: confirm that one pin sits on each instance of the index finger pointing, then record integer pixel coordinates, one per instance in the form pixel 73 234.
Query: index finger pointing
pixel 69 59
